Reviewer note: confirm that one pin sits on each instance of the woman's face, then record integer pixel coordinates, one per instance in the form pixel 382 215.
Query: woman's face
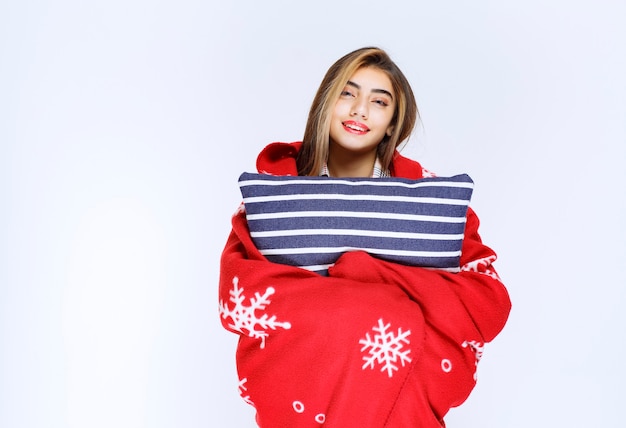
pixel 363 113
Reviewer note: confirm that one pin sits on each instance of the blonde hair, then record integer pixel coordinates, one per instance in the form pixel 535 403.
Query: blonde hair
pixel 314 150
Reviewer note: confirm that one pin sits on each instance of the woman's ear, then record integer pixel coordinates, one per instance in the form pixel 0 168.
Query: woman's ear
pixel 389 131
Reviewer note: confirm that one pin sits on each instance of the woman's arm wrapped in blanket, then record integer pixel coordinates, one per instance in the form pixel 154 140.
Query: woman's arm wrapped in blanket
pixel 374 344
pixel 463 311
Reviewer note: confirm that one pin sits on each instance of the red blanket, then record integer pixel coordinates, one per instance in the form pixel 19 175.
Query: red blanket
pixel 374 344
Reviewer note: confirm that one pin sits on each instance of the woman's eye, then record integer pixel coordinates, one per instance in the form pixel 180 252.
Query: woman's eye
pixel 346 93
pixel 381 103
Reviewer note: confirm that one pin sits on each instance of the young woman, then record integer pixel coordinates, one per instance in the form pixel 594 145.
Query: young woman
pixel 302 336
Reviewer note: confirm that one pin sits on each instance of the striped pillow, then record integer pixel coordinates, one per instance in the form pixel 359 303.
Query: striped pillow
pixel 310 221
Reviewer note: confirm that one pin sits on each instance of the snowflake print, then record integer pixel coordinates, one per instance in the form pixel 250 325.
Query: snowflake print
pixel 385 348
pixel 240 209
pixel 477 349
pixel 242 389
pixel 427 173
pixel 482 266
pixel 244 318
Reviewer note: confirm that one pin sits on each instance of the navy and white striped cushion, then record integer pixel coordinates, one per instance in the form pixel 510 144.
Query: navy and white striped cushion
pixel 310 221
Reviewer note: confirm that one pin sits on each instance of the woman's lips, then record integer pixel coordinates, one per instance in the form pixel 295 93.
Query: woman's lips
pixel 355 127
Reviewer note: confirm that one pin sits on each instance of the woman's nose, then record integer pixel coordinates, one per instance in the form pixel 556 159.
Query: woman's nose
pixel 359 108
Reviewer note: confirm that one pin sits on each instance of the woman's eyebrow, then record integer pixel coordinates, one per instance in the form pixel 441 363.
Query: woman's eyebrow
pixel 378 91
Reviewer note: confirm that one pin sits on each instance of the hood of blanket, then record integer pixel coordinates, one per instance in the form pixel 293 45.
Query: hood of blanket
pixel 280 159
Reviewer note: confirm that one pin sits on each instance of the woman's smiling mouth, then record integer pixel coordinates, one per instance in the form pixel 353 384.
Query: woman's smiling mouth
pixel 355 127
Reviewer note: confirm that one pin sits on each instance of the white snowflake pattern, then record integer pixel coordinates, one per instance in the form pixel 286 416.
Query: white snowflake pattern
pixel 244 318
pixel 482 266
pixel 385 348
pixel 240 209
pixel 242 390
pixel 427 173
pixel 477 349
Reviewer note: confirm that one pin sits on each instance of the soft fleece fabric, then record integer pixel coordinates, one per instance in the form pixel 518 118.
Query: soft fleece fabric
pixel 374 344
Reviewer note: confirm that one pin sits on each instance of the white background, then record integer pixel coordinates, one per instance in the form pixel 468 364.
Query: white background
pixel 125 124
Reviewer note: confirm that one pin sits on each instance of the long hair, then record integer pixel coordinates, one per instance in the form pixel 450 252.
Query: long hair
pixel 314 150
